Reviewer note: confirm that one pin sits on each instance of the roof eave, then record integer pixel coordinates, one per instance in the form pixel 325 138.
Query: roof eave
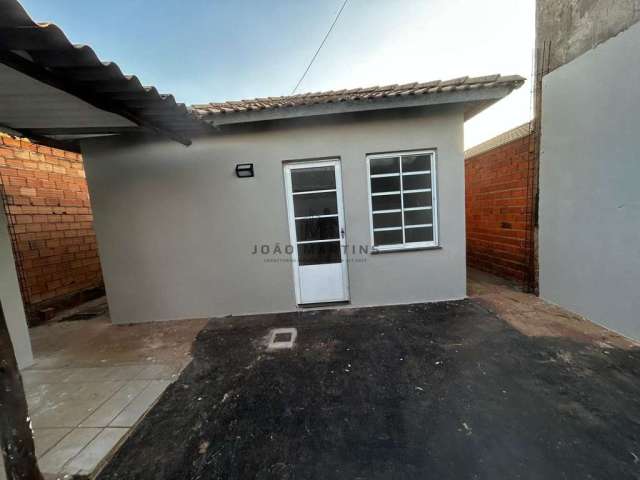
pixel 42 52
pixel 41 74
pixel 476 100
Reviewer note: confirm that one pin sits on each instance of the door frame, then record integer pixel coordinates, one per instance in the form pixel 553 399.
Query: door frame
pixel 288 191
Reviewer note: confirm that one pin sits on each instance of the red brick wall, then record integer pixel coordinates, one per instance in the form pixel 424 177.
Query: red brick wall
pixel 498 209
pixel 49 211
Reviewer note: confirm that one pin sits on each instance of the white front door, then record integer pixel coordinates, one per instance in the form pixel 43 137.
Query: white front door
pixel 316 225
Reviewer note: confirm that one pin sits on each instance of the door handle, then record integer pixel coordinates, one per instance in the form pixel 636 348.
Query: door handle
pixel 342 233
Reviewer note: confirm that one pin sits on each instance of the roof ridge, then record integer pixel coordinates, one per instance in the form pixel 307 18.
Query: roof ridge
pixel 361 93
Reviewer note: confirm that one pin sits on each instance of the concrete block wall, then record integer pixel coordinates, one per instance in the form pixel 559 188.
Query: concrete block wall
pixel 49 210
pixel 572 27
pixel 497 208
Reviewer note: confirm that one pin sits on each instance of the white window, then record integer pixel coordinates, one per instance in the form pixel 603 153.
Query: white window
pixel 402 200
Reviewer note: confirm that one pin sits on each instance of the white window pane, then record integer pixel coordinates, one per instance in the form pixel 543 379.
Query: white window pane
pixel 315 178
pixel 420 199
pixel 386 202
pixel 415 163
pixel 418 217
pixel 389 237
pixel 416 182
pixel 385 220
pixel 310 204
pixel 402 200
pixel 384 165
pixel 385 184
pixel 422 234
pixel 317 229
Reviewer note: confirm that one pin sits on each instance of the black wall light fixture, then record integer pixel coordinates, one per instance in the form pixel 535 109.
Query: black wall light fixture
pixel 244 170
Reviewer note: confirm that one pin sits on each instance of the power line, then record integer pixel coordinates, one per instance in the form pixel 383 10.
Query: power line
pixel 320 47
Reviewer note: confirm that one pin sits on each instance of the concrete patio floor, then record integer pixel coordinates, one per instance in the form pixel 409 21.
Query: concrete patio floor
pixel 91 383
pixel 534 317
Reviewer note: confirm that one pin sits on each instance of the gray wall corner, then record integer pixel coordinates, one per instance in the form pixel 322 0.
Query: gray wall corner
pixel 12 299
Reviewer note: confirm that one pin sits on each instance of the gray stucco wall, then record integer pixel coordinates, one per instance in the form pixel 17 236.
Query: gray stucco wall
pixel 589 185
pixel 576 26
pixel 176 228
pixel 12 300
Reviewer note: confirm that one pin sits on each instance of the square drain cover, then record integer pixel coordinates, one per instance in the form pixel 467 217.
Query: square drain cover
pixel 280 338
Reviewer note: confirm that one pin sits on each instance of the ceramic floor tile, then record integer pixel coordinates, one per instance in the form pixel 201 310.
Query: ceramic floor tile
pixel 46 438
pixel 136 409
pixel 38 377
pixel 71 406
pixel 127 372
pixel 44 395
pixel 90 374
pixel 67 448
pixel 50 362
pixel 88 459
pixel 109 410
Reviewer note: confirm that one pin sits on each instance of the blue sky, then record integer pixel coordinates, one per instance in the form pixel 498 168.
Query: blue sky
pixel 212 50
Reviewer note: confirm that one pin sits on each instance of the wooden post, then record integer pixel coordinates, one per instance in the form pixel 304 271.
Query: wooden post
pixel 16 437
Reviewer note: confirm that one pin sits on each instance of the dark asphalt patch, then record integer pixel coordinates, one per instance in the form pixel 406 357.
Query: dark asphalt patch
pixel 442 391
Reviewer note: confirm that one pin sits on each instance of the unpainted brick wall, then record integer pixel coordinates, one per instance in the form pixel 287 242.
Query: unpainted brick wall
pixel 49 212
pixel 498 209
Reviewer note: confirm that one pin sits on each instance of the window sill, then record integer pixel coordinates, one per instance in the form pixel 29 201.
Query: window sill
pixel 376 251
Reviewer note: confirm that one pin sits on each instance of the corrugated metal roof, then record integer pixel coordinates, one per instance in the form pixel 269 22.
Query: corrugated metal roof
pixel 499 140
pixel 42 51
pixel 368 95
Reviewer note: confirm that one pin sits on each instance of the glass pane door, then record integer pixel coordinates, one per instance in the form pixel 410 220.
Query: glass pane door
pixel 316 229
pixel 315 206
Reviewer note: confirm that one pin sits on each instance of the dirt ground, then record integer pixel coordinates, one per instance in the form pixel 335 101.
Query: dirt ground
pixel 444 391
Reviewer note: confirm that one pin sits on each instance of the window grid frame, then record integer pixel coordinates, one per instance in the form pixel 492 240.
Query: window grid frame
pixel 432 172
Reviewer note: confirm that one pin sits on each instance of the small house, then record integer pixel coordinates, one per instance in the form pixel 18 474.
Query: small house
pixel 351 197
pixel 354 197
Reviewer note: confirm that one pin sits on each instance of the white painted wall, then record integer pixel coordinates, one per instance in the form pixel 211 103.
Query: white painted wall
pixel 176 228
pixel 11 298
pixel 590 185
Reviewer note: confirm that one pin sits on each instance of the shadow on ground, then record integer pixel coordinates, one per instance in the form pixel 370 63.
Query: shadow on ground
pixel 444 390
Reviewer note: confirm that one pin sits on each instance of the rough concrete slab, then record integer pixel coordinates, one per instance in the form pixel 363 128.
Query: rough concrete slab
pixel 159 372
pixel 99 343
pixel 447 391
pixel 55 460
pixel 90 457
pixel 137 408
pixel 533 316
